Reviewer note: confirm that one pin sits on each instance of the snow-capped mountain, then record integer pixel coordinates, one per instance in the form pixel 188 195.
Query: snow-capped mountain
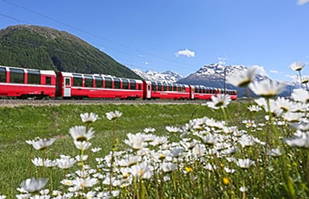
pixel 217 72
pixel 167 76
pixel 211 75
pixel 214 75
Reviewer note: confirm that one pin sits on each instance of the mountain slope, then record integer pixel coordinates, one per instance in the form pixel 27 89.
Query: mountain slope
pixel 213 75
pixel 39 47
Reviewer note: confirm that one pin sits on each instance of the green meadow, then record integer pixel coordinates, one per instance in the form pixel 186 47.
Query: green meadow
pixel 22 123
pixel 155 151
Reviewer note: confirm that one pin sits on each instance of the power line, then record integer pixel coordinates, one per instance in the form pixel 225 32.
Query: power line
pixel 10 17
pixel 94 35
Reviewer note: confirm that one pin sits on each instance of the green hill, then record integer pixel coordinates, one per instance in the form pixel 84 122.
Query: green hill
pixel 37 47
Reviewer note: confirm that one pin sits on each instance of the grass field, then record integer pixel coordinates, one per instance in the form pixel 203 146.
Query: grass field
pixel 213 153
pixel 27 122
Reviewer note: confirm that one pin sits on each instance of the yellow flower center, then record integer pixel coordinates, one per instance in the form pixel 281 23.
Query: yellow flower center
pixel 226 181
pixel 188 169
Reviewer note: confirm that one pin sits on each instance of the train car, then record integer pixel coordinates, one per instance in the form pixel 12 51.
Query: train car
pixel 27 83
pixel 230 92
pixel 74 85
pixel 162 90
pixel 204 93
pixel 33 83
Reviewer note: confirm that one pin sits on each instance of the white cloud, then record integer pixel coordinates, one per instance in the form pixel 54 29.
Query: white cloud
pixel 222 60
pixel 302 2
pixel 293 77
pixel 274 71
pixel 185 52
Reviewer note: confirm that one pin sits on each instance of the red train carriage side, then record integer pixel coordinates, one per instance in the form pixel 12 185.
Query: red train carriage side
pixel 159 90
pixel 204 93
pixel 23 83
pixel 97 86
pixel 232 93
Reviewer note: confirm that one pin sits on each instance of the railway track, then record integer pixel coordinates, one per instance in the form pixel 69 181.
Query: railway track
pixel 55 102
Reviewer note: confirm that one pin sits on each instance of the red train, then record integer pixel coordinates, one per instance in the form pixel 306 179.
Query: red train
pixel 25 83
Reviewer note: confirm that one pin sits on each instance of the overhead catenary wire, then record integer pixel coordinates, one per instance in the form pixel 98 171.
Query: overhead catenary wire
pixel 129 48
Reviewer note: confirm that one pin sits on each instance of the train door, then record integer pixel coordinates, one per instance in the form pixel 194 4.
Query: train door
pixel 192 92
pixel 67 87
pixel 148 90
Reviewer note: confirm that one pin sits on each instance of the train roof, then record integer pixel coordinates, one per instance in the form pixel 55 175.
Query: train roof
pixel 45 72
pixel 68 74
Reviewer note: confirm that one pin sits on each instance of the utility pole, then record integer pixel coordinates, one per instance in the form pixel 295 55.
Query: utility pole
pixel 224 85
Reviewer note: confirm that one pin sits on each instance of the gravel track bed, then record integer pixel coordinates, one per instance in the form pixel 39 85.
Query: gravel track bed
pixel 19 102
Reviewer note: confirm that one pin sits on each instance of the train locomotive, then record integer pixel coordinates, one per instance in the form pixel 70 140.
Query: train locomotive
pixel 33 83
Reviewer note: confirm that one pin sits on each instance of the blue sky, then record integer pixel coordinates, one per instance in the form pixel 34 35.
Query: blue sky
pixel 179 35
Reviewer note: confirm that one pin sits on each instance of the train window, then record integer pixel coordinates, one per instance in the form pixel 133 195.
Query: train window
pixel 98 82
pixel 2 75
pixel 203 90
pixel 125 84
pixel 196 89
pixel 117 83
pixel 174 88
pixel 160 87
pixel 164 87
pixel 179 88
pixel 88 81
pixel 16 75
pixel 67 82
pixel 132 84
pixel 34 77
pixel 108 82
pixel 77 80
pixel 170 87
pixel 48 81
pixel 139 87
pixel 154 86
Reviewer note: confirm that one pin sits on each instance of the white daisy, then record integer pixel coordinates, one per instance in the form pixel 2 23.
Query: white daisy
pixel 142 170
pixel 149 130
pixel 297 66
pixel 267 88
pixel 135 141
pixel 84 145
pixel 88 117
pixel 42 144
pixel 254 108
pixel 81 183
pixel 274 152
pixel 300 95
pixel 33 185
pixel 113 115
pixel 244 163
pixel 243 189
pixel 79 133
pixel 65 162
pixel 168 167
pixel 172 129
pixel 301 139
pixel 219 101
pixel 242 78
